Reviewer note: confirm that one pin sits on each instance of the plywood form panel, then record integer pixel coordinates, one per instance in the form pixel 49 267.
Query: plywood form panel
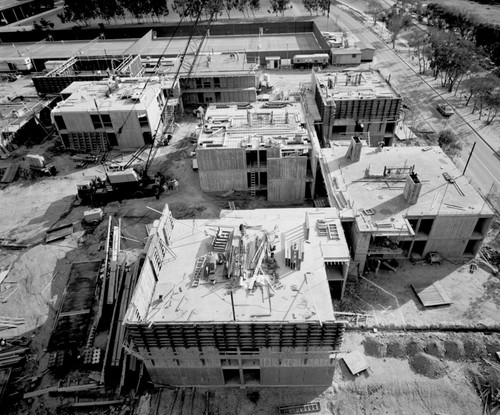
pixel 449 248
pixel 291 376
pixel 459 226
pixel 217 181
pixel 318 375
pixel 221 159
pixel 269 376
pixel 291 168
pixel 285 190
pixel 144 291
pixel 228 335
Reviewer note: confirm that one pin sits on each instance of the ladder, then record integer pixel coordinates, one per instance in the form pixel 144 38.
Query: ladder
pixel 252 184
pixel 322 227
pixel 198 271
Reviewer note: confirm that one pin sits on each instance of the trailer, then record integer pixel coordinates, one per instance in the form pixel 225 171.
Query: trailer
pixel 313 60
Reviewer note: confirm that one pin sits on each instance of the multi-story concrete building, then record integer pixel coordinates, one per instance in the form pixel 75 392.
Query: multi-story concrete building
pixel 218 78
pixel 243 300
pixel 266 147
pixel 356 102
pixel 403 202
pixel 125 113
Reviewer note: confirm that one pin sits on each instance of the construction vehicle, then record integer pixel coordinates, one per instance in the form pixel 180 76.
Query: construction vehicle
pixel 125 182
pixel 39 165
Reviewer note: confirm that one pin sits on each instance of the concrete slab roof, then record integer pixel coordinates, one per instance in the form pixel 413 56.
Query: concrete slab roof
pixel 109 95
pixel 296 295
pixel 353 85
pixel 159 47
pixel 365 186
pixel 256 125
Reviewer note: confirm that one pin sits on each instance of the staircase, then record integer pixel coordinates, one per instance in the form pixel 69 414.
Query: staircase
pixel 220 241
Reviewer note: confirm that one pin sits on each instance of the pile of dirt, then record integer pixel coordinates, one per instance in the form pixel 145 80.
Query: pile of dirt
pixel 414 347
pixel 374 347
pixel 434 348
pixel 454 349
pixel 396 348
pixel 473 347
pixel 428 366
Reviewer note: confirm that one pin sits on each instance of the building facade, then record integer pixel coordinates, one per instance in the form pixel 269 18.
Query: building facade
pixel 209 307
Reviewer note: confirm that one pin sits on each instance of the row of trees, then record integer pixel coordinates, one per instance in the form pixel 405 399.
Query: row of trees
pixel 449 49
pixel 82 12
pixel 318 6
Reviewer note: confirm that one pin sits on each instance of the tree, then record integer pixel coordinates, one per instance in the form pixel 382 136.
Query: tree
pixel 110 9
pixel 279 6
pixel 79 11
pixel 395 22
pixel 159 8
pixel 421 45
pixel 375 10
pixel 254 5
pixel 450 143
pixel 324 6
pixel 311 5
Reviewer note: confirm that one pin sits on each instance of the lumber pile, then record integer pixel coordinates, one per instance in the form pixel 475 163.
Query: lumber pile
pixel 12 356
pixel 487 383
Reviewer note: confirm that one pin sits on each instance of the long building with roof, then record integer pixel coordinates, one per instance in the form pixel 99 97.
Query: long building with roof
pixel 243 300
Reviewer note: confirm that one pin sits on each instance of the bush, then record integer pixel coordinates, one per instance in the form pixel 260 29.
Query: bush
pixel 450 143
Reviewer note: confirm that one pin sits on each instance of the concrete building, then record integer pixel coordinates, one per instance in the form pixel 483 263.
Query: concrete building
pixel 243 300
pixel 356 102
pixel 266 146
pixel 218 78
pixel 403 202
pixel 126 113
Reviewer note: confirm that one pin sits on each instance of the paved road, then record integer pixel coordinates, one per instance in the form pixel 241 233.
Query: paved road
pixel 424 95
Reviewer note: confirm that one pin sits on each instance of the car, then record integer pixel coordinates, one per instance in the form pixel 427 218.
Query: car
pixel 445 110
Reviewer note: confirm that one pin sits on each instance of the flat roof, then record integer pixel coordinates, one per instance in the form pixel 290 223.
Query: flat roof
pixel 109 94
pixel 17 112
pixel 366 187
pixel 256 125
pixel 353 85
pixel 147 46
pixel 294 295
pixel 7 4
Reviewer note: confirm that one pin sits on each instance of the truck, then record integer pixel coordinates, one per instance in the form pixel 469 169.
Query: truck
pixel 118 185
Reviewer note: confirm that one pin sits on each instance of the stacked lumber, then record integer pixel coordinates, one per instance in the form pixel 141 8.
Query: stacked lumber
pixel 488 390
pixel 12 356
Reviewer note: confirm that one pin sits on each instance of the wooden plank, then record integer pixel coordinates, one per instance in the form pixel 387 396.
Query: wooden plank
pixel 356 362
pixel 59 233
pixel 74 313
pixel 432 295
pixel 40 392
pixel 95 403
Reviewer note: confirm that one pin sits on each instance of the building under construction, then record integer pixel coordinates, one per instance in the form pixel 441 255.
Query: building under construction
pixel 264 147
pixel 403 202
pixel 242 300
pixel 124 113
pixel 356 103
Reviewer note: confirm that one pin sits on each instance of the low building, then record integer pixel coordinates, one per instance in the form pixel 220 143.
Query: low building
pixel 404 202
pixel 345 56
pixel 356 102
pixel 263 147
pixel 367 51
pixel 125 113
pixel 243 300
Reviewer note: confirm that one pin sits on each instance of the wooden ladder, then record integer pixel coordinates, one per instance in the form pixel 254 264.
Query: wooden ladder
pixel 198 271
pixel 252 184
pixel 220 241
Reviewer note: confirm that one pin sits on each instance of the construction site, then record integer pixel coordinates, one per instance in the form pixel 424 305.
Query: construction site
pixel 183 232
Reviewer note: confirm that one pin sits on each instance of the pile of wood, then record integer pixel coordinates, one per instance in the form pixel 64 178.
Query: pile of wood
pixel 12 356
pixel 491 255
pixel 488 388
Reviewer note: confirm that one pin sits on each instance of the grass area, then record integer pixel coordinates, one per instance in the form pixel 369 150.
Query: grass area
pixel 486 13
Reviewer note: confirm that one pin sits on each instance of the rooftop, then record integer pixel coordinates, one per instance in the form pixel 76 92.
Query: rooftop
pixel 15 113
pixel 106 94
pixel 364 185
pixel 255 125
pixel 353 85
pixel 237 291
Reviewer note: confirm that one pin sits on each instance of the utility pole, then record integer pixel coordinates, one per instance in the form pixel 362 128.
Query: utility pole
pixel 468 159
